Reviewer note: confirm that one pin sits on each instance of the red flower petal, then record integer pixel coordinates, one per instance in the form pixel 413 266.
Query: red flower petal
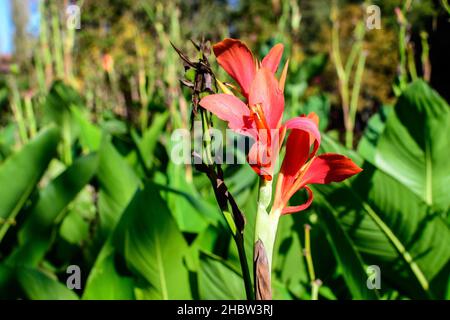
pixel 237 60
pixel 229 108
pixel 308 124
pixel 263 156
pixel 297 152
pixel 265 90
pixel 272 60
pixel 330 167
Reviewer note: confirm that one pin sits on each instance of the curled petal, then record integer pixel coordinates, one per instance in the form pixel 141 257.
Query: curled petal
pixel 309 125
pixel 229 108
pixel 272 60
pixel 330 167
pixel 237 60
pixel 301 207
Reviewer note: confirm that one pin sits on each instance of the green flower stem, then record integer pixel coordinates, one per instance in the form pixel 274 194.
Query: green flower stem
pixel 266 224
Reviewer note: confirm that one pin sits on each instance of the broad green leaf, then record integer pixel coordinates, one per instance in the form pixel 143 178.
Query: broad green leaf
pixel 218 280
pixel 147 143
pixel 212 240
pixel 105 280
pixel 319 104
pixel 414 146
pixel 153 247
pixel 20 173
pixel 249 210
pixel 39 286
pixel 191 212
pixel 7 140
pixel 354 273
pixel 90 135
pixel 36 233
pixel 118 183
pixel 288 263
pixel 368 143
pixel 75 227
pixel 391 227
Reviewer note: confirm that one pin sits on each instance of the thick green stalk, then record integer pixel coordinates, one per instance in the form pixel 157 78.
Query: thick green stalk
pixel 265 230
pixel 403 78
pixel 44 43
pixel 411 63
pixel 31 119
pixel 16 106
pixel 57 43
pixel 266 225
pixel 425 56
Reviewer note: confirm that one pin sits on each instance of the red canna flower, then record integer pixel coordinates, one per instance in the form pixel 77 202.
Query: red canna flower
pixel 260 115
pixel 301 167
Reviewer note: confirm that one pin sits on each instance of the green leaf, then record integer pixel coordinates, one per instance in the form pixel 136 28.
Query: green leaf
pixel 105 280
pixel 153 248
pixel 390 226
pixel 75 227
pixel 118 183
pixel 414 146
pixel 345 253
pixel 249 210
pixel 21 172
pixel 40 286
pixel 319 104
pixel 212 240
pixel 147 144
pixel 90 135
pixel 368 143
pixel 218 280
pixel 288 263
pixel 36 233
pixel 191 212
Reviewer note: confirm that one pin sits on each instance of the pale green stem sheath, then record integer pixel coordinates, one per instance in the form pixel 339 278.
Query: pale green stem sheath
pixel 266 224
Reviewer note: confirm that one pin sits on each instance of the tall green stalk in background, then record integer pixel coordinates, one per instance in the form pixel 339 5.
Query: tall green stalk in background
pixel 57 40
pixel 349 90
pixel 17 109
pixel 44 44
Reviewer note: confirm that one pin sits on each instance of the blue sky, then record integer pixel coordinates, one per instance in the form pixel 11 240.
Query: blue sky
pixel 7 26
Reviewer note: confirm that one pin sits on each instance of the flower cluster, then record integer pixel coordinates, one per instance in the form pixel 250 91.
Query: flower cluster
pixel 258 114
